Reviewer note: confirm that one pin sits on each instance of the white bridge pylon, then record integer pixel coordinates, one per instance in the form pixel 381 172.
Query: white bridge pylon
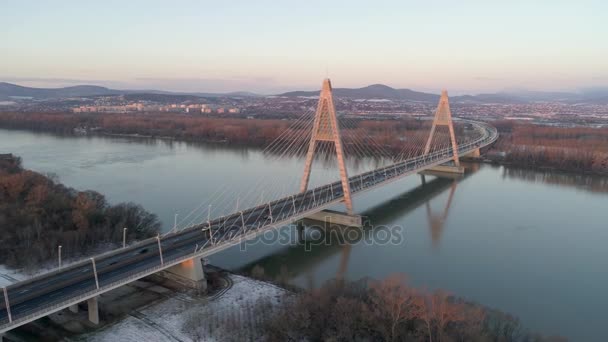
pixel 325 128
pixel 443 117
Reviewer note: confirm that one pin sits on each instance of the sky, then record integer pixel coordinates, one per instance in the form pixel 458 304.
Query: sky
pixel 269 46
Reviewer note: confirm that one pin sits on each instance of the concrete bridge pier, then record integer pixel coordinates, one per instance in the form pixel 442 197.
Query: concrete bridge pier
pixel 336 217
pixel 189 273
pixel 439 174
pixel 445 169
pixel 93 309
pixel 301 232
pixel 475 154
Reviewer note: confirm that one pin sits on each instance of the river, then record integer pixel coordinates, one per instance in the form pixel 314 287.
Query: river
pixel 526 242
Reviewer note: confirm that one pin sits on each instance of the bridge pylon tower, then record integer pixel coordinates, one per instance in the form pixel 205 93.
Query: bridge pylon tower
pixel 325 129
pixel 443 117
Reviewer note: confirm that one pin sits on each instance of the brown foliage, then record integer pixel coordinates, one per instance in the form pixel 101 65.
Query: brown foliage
pixel 37 215
pixel 258 132
pixel 578 149
pixel 442 315
pixel 397 303
pixel 387 310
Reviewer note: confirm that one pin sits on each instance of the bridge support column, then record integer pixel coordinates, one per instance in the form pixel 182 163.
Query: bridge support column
pixel 74 308
pixel 93 308
pixel 189 273
pixel 423 179
pixel 301 231
pixel 474 154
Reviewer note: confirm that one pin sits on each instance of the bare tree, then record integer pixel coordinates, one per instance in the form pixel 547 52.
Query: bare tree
pixel 395 304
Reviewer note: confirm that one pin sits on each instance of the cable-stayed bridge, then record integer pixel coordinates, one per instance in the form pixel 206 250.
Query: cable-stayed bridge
pixel 179 252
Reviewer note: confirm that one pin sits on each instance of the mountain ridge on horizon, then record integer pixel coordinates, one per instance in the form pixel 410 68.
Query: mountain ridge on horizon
pixel 14 90
pixel 370 92
pixel 381 91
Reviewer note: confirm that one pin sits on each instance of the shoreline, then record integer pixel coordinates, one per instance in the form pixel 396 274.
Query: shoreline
pixel 227 143
pixel 161 137
pixel 538 168
pixel 154 305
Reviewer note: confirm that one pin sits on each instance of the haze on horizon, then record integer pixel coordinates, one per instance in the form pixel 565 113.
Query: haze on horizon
pixel 267 46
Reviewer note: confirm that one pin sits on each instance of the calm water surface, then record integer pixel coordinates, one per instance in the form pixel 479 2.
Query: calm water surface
pixel 529 243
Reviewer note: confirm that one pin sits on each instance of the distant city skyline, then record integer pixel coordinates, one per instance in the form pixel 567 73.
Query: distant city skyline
pixel 269 47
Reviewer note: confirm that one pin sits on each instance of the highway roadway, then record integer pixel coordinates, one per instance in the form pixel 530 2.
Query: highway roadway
pixel 35 294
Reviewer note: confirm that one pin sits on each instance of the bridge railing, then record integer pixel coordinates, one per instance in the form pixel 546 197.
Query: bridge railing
pixel 489 135
pixel 45 310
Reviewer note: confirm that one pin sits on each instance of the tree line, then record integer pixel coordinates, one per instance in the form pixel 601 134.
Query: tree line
pixel 378 310
pixel 393 135
pixel 37 214
pixel 575 149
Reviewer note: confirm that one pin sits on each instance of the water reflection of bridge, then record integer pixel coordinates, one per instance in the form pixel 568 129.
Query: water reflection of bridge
pixel 303 258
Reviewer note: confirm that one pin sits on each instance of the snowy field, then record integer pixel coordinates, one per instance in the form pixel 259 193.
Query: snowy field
pixel 233 315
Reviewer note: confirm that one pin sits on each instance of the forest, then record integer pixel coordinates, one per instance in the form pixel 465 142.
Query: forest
pixel 573 149
pixel 258 132
pixel 37 214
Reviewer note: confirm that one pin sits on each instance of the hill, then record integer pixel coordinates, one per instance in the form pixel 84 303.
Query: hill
pixel 381 91
pixel 374 91
pixel 8 90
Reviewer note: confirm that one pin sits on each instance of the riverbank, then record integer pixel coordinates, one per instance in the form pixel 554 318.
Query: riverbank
pixel 229 315
pixel 156 309
pixel 241 308
pixel 139 136
pixel 499 162
pixel 44 220
pixel 493 155
pixel 570 149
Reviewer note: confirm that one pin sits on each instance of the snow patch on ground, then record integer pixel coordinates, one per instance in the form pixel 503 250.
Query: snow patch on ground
pixel 233 315
pixel 9 276
pixel 130 329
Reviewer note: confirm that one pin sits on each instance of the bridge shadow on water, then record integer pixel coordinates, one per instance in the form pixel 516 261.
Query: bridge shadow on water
pixel 329 241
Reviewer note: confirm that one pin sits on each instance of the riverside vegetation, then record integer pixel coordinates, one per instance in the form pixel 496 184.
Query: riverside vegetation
pixel 365 310
pixel 571 149
pixel 37 214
